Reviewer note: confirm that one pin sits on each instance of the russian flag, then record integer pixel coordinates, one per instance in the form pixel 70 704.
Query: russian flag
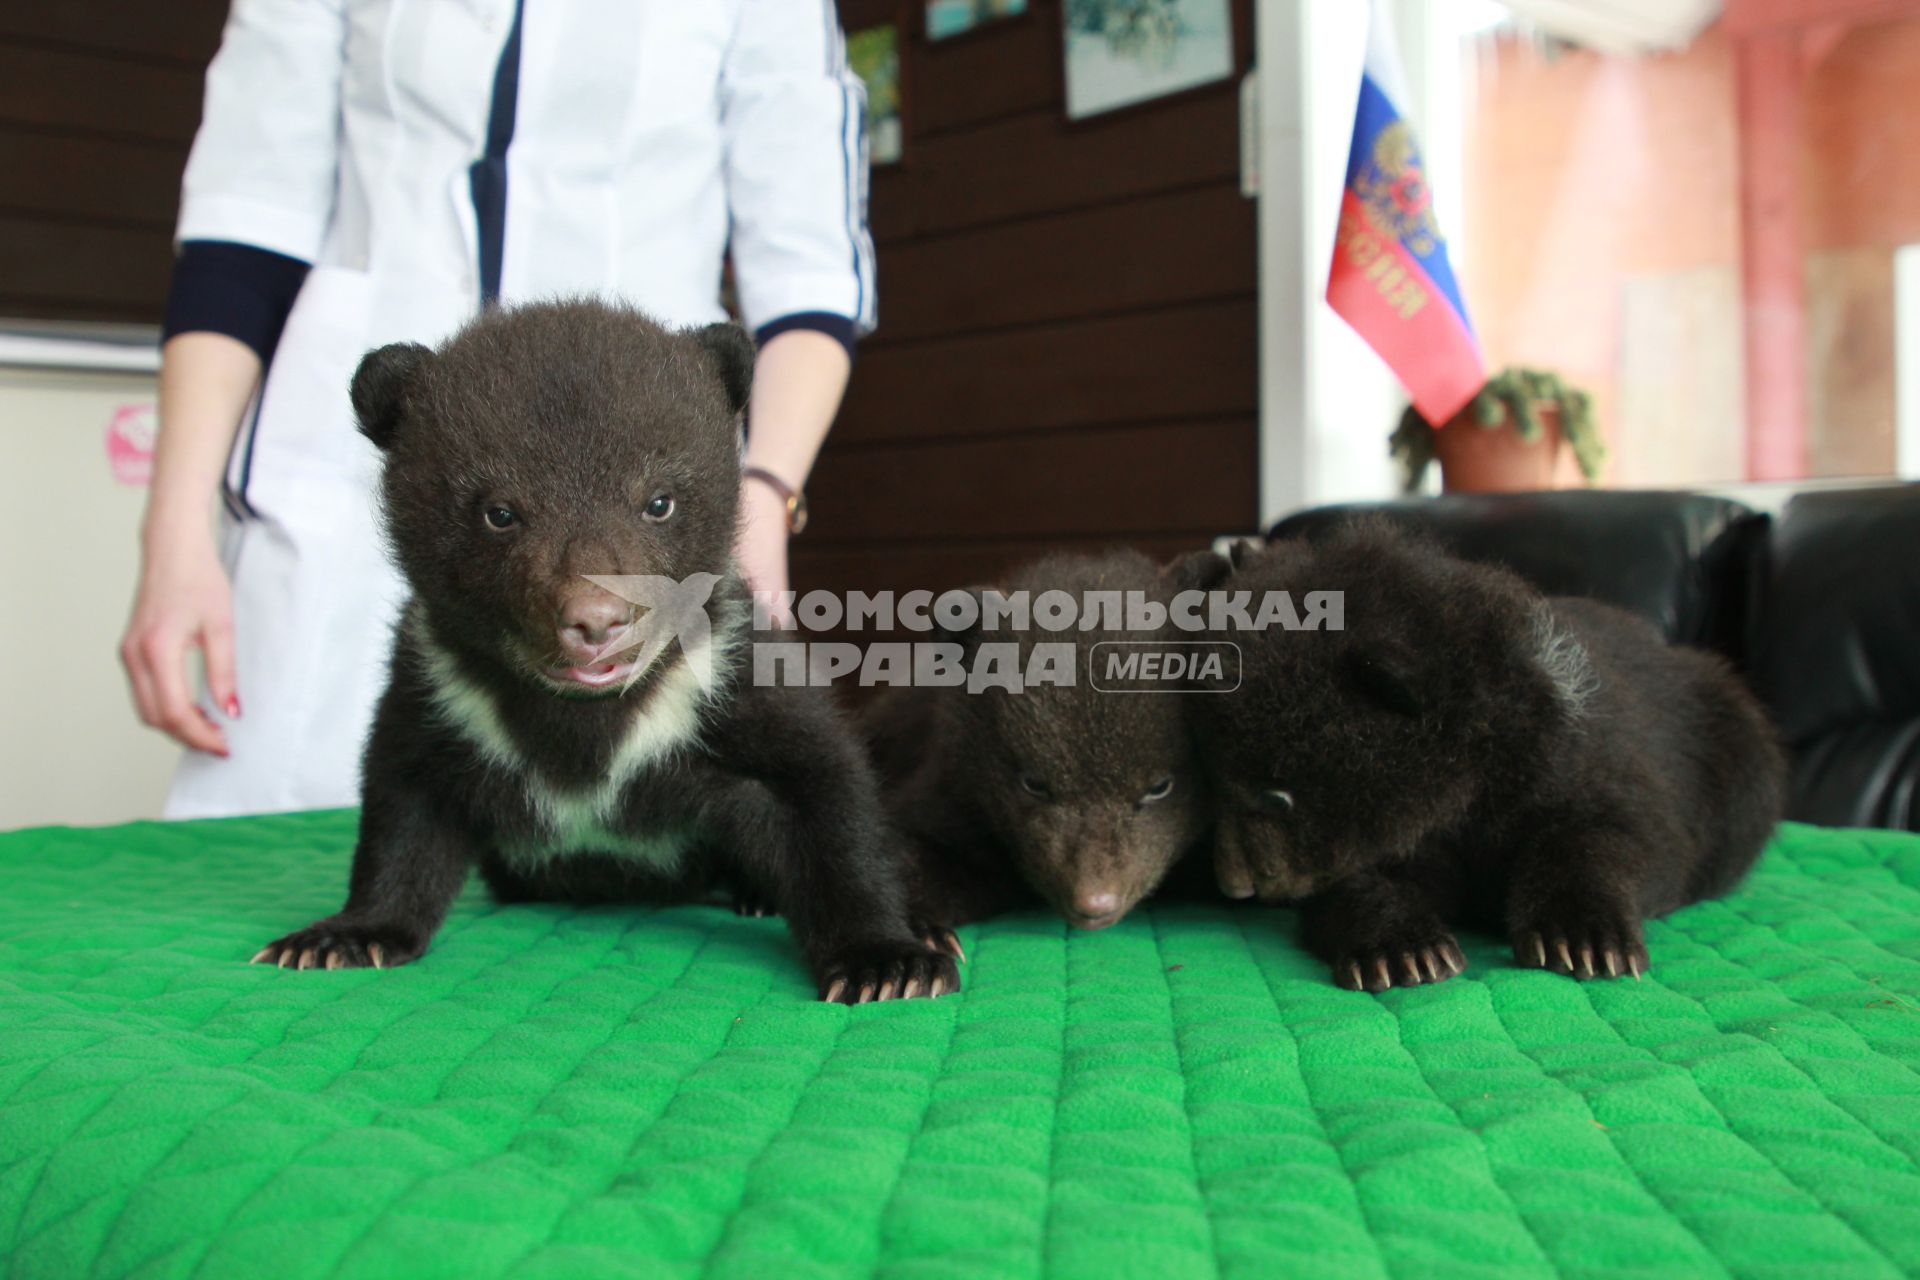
pixel 1390 279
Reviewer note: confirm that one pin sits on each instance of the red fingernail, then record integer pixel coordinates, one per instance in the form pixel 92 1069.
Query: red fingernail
pixel 233 708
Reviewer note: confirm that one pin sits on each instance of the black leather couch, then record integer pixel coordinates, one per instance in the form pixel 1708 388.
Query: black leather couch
pixel 1819 608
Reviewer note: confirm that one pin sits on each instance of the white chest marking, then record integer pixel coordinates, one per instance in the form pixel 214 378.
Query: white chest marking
pixel 577 819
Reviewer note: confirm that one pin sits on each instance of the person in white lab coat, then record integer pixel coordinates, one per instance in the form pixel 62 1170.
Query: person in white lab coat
pixel 368 171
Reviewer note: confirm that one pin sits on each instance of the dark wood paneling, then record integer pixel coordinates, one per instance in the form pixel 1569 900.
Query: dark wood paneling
pixel 47 263
pixel 1038 166
pixel 1190 361
pixel 183 31
pixel 89 178
pixel 99 101
pixel 65 91
pixel 856 15
pixel 1000 70
pixel 1186 247
pixel 1067 352
pixel 892 213
pixel 1123 481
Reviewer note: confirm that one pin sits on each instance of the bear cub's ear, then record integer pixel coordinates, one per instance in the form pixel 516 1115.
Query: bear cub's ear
pixel 380 385
pixel 1202 570
pixel 730 354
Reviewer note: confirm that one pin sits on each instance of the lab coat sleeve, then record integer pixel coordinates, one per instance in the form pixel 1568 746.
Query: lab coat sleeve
pixel 794 115
pixel 264 163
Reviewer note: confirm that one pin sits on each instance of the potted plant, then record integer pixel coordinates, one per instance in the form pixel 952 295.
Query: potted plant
pixel 1508 437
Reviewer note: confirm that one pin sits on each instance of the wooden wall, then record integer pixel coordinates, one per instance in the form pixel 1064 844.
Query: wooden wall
pixel 1067 352
pixel 98 103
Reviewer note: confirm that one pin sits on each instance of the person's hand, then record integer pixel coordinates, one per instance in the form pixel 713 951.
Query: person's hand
pixel 762 550
pixel 184 602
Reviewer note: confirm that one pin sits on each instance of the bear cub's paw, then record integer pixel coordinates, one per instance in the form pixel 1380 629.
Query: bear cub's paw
pixel 335 943
pixel 1409 961
pixel 887 971
pixel 1582 939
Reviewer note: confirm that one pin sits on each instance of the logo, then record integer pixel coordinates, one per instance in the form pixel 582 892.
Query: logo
pixel 1151 666
pixel 130 435
pixel 973 639
pixel 673 611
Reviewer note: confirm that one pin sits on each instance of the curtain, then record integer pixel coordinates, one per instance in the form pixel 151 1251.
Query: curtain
pixel 1618 26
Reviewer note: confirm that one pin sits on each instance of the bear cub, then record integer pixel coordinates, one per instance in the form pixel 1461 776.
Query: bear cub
pixel 1080 795
pixel 1467 751
pixel 570 706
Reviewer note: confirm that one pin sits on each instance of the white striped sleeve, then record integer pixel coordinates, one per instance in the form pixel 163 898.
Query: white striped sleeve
pixel 265 159
pixel 797 166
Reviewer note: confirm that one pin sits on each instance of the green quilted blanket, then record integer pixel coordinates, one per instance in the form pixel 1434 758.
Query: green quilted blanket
pixel 652 1093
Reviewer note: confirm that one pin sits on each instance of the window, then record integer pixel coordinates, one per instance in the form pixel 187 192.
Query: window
pixel 1719 240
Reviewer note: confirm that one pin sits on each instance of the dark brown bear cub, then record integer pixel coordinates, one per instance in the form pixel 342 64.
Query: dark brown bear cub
pixel 1076 793
pixel 1466 751
pixel 571 707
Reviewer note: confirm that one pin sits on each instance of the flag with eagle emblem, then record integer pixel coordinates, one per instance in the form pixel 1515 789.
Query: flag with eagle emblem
pixel 1390 278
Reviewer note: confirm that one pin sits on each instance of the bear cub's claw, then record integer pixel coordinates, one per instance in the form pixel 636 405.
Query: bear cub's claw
pixel 1583 944
pixel 888 971
pixel 336 944
pixel 1403 966
pixel 752 905
pixel 940 938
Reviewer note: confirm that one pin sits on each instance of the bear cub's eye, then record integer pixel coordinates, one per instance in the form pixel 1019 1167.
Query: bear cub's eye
pixel 658 507
pixel 501 518
pixel 1158 791
pixel 1277 801
pixel 1036 787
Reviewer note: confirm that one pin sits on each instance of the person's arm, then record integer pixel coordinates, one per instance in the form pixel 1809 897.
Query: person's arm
pixel 184 600
pixel 255 203
pixel 796 189
pixel 797 384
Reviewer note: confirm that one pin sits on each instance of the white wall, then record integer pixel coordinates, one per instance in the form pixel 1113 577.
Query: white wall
pixel 1906 348
pixel 71 750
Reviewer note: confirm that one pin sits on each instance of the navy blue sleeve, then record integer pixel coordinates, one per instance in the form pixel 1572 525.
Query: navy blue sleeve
pixel 236 289
pixel 840 328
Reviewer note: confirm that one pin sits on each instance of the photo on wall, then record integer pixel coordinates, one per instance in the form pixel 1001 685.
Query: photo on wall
pixel 956 17
pixel 874 55
pixel 1120 52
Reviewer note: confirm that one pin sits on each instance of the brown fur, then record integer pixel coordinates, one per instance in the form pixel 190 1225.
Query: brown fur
pixel 1047 792
pixel 1467 751
pixel 577 419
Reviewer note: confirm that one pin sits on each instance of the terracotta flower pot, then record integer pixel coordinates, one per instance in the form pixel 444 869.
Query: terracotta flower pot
pixel 1477 459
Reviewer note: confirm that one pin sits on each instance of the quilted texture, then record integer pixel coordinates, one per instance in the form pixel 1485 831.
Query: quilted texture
pixel 574 1093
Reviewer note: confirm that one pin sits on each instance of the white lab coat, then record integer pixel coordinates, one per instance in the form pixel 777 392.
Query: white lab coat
pixel 648 134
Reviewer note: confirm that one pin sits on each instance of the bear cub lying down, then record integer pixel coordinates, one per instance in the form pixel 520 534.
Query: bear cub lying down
pixel 1069 794
pixel 533 724
pixel 1468 751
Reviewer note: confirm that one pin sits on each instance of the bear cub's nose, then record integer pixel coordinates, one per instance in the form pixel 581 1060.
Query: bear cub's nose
pixel 1093 906
pixel 590 623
